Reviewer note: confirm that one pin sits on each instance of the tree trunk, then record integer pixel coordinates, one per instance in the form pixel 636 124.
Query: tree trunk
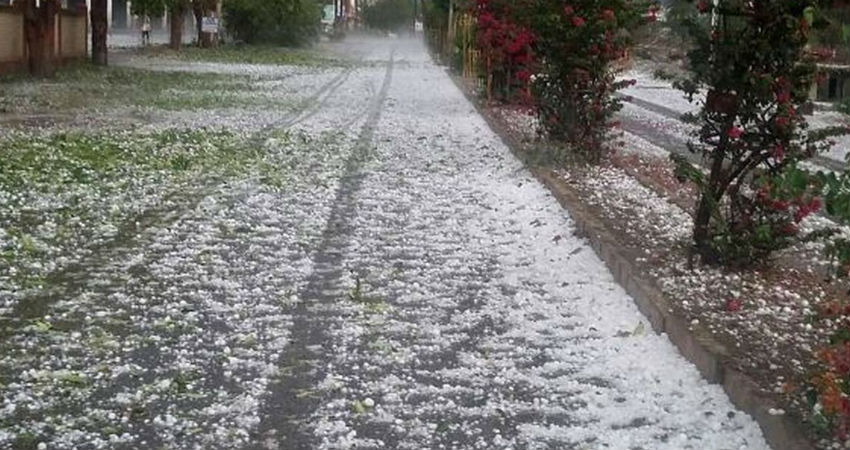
pixel 40 31
pixel 450 32
pixel 99 30
pixel 198 11
pixel 709 199
pixel 205 40
pixel 178 14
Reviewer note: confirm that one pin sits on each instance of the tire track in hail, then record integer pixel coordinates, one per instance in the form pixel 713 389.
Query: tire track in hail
pixel 292 399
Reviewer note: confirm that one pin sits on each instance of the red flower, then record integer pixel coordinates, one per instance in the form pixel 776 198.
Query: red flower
pixel 762 194
pixel 578 21
pixel 733 305
pixel 781 121
pixel 702 6
pixel 524 75
pixel 735 133
pixel 653 15
pixel 789 229
pixel 815 204
pixel 608 15
pixel 568 10
pixel 802 213
pixel 779 152
pixel 780 205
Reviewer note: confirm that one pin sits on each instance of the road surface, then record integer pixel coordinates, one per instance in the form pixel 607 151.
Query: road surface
pixel 412 287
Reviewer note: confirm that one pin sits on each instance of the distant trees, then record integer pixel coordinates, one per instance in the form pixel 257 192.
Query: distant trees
pixel 281 22
pixel 389 15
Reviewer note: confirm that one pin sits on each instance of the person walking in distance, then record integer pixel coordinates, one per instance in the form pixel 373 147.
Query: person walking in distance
pixel 146 30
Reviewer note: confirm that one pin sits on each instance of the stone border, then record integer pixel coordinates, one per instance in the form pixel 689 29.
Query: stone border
pixel 695 343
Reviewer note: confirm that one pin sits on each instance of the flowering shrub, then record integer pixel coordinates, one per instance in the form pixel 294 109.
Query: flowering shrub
pixel 750 129
pixel 760 217
pixel 830 393
pixel 506 47
pixel 578 41
pixel 830 389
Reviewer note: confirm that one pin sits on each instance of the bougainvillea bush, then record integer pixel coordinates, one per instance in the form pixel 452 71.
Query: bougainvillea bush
pixel 830 393
pixel 578 42
pixel 755 73
pixel 506 47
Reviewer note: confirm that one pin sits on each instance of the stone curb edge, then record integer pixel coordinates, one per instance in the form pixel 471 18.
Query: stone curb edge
pixel 694 343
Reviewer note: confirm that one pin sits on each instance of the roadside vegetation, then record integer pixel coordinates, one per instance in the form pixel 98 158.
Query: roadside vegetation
pixel 389 15
pixel 86 86
pixel 250 54
pixel 747 189
pixel 279 22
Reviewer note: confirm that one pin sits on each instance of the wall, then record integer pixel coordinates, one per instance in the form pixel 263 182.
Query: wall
pixel 71 38
pixel 73 35
pixel 12 45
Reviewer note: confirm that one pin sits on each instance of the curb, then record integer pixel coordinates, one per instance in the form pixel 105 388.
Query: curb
pixel 694 343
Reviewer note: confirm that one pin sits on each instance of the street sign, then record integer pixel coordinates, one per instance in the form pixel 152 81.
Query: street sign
pixel 209 25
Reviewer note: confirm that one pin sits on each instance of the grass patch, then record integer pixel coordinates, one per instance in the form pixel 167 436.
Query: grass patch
pixel 249 54
pixel 85 86
pixel 60 192
pixel 59 160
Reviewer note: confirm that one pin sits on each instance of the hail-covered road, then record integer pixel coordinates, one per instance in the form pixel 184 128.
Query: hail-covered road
pixel 410 287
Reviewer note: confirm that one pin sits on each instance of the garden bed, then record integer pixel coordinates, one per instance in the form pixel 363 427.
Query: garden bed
pixel 765 323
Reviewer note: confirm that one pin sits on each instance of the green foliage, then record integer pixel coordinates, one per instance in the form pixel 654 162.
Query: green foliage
pixel 279 22
pixel 389 15
pixel 680 13
pixel 156 8
pixel 250 54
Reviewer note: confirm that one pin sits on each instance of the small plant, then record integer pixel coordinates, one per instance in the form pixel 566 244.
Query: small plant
pixel 181 162
pixel 26 441
pixel 664 75
pixel 180 383
pixel 356 294
pixel 74 379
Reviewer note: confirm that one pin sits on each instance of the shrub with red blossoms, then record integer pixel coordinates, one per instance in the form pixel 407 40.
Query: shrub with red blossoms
pixel 506 48
pixel 830 388
pixel 577 44
pixel 751 74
